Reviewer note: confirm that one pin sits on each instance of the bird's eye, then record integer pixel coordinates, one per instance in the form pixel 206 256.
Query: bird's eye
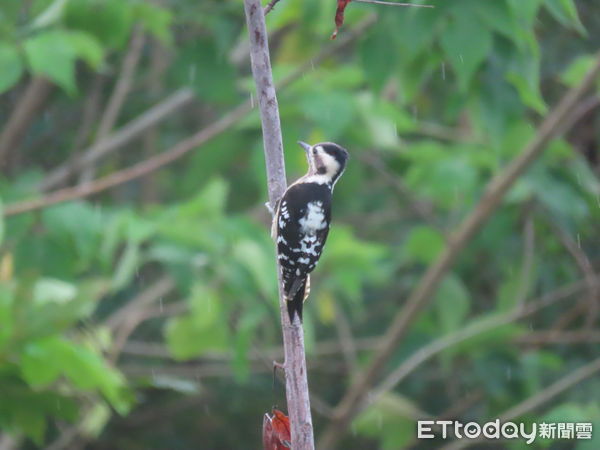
pixel 314 151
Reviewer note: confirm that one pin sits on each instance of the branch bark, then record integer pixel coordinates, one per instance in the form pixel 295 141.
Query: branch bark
pixel 297 393
pixel 429 283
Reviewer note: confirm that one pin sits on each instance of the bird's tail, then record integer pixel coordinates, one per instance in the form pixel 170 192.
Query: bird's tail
pixel 296 299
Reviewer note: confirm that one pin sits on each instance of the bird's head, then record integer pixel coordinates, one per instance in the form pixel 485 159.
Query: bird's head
pixel 326 160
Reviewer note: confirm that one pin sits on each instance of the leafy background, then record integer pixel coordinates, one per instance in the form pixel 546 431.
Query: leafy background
pixel 144 316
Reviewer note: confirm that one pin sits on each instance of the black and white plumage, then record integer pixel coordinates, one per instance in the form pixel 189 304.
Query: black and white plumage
pixel 302 218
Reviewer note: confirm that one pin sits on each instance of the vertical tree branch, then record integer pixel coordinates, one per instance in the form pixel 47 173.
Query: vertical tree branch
pixel 430 281
pixel 31 102
pixel 297 394
pixel 159 62
pixel 119 94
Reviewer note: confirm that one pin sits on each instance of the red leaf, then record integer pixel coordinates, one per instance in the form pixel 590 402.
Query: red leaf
pixel 339 16
pixel 276 431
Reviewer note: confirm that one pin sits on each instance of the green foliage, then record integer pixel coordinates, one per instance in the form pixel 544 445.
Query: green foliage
pixel 109 21
pixel 51 54
pixel 390 420
pixel 10 60
pixel 202 331
pixel 432 104
pixel 42 371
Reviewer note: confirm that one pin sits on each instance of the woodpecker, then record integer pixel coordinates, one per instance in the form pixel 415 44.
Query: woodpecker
pixel 302 218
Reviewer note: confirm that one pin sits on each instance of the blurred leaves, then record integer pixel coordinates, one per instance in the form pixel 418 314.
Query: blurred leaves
pixel 391 420
pixel 442 97
pixel 202 330
pixel 12 65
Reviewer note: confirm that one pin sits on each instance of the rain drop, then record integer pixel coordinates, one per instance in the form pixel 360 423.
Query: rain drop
pixel 192 73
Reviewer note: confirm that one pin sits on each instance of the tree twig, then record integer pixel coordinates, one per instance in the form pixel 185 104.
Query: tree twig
pixel 297 393
pixel 324 348
pixel 421 208
pixel 180 149
pixel 159 62
pixel 532 403
pixel 585 266
pixel 119 94
pixel 270 6
pixel 430 281
pixel 30 103
pixel 120 138
pixel 560 337
pixel 136 171
pixel 432 349
pixel 345 338
pixel 89 113
pixel 125 320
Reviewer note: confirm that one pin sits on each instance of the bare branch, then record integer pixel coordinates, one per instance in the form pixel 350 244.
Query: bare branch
pixel 119 93
pixel 126 319
pixel 123 84
pixel 150 119
pixel 429 283
pixel 324 348
pixel 270 6
pixel 89 113
pixel 345 338
pixel 541 398
pixel 585 266
pixel 159 63
pixel 560 337
pixel 120 138
pixel 544 396
pixel 31 102
pixel 297 393
pixel 422 209
pixel 437 346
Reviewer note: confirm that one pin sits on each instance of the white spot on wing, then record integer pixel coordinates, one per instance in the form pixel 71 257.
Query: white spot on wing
pixel 314 219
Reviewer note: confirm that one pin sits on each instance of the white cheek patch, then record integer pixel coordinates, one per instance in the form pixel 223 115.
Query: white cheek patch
pixel 330 163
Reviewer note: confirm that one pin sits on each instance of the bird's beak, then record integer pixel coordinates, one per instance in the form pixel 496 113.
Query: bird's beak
pixel 305 146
